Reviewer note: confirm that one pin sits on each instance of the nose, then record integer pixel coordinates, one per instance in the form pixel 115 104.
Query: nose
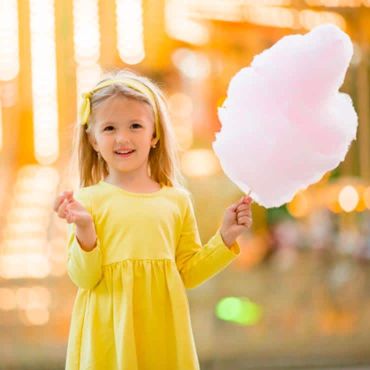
pixel 122 137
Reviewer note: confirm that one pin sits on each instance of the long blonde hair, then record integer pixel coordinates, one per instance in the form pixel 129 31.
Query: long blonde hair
pixel 163 160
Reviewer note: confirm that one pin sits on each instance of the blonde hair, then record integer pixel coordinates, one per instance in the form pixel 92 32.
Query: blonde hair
pixel 163 160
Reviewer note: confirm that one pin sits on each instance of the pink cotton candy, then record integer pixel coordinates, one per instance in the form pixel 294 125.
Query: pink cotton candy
pixel 284 122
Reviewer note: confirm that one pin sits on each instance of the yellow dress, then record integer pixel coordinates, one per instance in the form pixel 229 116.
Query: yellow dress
pixel 131 309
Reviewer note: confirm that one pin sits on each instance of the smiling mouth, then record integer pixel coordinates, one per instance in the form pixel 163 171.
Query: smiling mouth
pixel 124 155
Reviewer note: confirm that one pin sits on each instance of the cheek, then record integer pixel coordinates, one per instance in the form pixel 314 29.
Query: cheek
pixel 105 140
pixel 145 140
pixel 97 138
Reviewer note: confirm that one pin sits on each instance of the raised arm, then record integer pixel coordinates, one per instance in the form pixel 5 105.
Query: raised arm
pixel 84 262
pixel 196 262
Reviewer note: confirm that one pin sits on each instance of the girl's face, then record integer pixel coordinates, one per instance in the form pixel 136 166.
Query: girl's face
pixel 123 125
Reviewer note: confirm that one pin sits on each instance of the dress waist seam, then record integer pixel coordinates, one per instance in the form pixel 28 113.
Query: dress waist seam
pixel 139 260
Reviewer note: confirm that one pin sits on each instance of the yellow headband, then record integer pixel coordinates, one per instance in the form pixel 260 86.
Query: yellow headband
pixel 134 84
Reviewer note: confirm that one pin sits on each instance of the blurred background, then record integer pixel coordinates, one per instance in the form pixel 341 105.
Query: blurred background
pixel 298 296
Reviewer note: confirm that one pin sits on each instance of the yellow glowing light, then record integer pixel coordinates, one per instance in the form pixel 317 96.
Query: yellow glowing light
pixel 40 297
pixel 227 10
pixel 361 206
pixel 266 2
pixel 192 64
pixel 199 162
pixel 33 297
pixel 9 93
pixel 180 105
pixel 335 3
pixel 366 196
pixel 8 299
pixel 18 265
pixel 21 297
pixel 25 245
pixel 37 316
pixel 58 269
pixel 331 198
pixel 9 50
pixel 87 75
pixel 44 82
pixel 1 127
pixel 299 206
pixel 220 10
pixel 334 207
pixel 86 37
pixel 130 42
pixel 267 13
pixel 278 17
pixel 348 198
pixel 86 31
pixel 310 19
pixel 181 25
pixel 58 255
pixel 220 101
pixel 184 134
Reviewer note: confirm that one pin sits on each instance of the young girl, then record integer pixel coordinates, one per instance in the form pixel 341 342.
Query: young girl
pixel 133 243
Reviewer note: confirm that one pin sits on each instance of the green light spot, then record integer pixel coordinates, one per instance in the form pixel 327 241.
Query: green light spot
pixel 238 310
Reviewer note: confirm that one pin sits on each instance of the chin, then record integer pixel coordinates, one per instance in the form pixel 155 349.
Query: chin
pixel 127 168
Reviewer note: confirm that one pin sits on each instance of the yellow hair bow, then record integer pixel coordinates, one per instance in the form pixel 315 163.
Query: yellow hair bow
pixel 85 108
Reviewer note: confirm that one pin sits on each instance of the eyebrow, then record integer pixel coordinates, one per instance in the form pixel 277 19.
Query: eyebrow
pixel 136 120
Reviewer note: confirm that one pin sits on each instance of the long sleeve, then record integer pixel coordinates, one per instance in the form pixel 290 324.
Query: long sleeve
pixel 84 267
pixel 197 263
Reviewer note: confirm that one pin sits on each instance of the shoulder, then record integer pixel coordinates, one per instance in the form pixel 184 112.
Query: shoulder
pixel 179 192
pixel 83 192
pixel 85 195
pixel 182 196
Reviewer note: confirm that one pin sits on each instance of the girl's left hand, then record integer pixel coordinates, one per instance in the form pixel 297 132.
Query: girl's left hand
pixel 237 218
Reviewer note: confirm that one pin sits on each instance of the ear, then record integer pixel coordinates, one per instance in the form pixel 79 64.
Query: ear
pixel 154 141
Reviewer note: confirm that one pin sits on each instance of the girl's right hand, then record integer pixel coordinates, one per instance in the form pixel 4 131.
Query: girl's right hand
pixel 71 210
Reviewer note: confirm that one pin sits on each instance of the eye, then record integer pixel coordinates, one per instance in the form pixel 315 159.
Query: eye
pixel 136 125
pixel 108 127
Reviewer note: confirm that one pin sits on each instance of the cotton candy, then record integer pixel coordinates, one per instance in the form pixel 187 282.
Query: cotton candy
pixel 284 122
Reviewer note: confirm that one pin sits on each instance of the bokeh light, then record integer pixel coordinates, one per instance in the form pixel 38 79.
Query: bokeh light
pixel 239 310
pixel 348 198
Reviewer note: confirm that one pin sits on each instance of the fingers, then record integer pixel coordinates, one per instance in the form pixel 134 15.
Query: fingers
pixel 62 210
pixel 245 220
pixel 247 200
pixel 70 217
pixel 70 212
pixel 245 205
pixel 243 216
pixel 69 195
pixel 68 208
pixel 60 198
pixel 247 213
pixel 244 212
pixel 61 204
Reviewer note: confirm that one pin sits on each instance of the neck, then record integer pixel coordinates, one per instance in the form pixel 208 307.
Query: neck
pixel 134 179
